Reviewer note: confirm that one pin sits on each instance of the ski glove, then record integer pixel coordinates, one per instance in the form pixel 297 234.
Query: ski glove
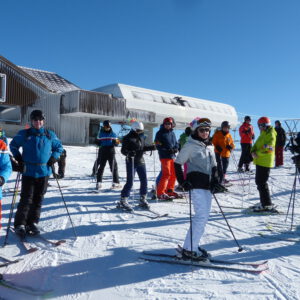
pixel 131 153
pixel 51 161
pixel 219 149
pixel 2 181
pixel 216 187
pixel 186 185
pixel 229 147
pixel 172 151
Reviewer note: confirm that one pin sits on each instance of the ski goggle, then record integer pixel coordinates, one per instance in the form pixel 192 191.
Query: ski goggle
pixel 201 129
pixel 204 122
pixel 262 125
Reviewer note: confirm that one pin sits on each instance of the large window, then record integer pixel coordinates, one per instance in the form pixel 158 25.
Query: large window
pixel 2 87
pixel 10 114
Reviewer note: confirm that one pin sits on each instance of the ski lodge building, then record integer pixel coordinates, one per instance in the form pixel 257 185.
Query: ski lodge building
pixel 74 114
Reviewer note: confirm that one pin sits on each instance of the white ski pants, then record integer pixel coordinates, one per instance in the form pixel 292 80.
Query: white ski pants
pixel 201 200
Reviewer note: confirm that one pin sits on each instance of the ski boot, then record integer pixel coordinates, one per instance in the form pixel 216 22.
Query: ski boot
pixel 32 229
pixel 194 256
pixel 165 197
pixel 20 230
pixel 204 252
pixel 124 204
pixel 98 186
pixel 143 203
pixel 174 195
pixel 240 170
pixel 116 185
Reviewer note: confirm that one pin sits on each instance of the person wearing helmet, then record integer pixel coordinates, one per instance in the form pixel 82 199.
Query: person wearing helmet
pixel 201 181
pixel 280 143
pixel 133 147
pixel 223 142
pixel 107 140
pixel 246 132
pixel 167 147
pixel 263 153
pixel 5 169
pixel 40 150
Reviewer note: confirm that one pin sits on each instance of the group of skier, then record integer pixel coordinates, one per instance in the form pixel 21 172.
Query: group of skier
pixel 204 158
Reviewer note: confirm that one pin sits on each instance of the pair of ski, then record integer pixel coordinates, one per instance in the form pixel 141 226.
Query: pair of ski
pixel 216 264
pixel 140 211
pixel 29 248
pixel 24 289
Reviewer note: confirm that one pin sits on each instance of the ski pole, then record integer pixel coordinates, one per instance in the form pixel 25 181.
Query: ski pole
pixel 63 199
pixel 18 179
pixel 240 248
pixel 292 195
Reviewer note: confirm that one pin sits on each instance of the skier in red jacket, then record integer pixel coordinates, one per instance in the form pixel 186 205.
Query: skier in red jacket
pixel 246 132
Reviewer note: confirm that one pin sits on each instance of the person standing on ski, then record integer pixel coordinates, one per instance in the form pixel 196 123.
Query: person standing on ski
pixel 167 147
pixel 223 142
pixel 133 147
pixel 5 169
pixel 107 141
pixel 246 132
pixel 280 143
pixel 263 153
pixel 202 181
pixel 40 150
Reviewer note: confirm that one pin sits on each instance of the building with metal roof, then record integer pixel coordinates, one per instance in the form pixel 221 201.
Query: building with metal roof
pixel 74 114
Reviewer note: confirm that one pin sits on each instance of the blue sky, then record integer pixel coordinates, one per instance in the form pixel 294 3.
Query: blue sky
pixel 244 53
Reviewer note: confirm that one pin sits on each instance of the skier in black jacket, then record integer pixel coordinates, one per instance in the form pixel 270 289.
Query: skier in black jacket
pixel 133 147
pixel 280 143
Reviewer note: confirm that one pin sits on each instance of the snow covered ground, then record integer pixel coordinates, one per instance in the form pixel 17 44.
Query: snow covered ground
pixel 103 262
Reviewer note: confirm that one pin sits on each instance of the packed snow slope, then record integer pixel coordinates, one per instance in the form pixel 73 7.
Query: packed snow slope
pixel 103 261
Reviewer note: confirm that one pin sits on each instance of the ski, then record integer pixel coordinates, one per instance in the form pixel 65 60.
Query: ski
pixel 204 265
pixel 24 289
pixel 53 243
pixel 7 263
pixel 213 260
pixel 25 243
pixel 156 214
pixel 276 238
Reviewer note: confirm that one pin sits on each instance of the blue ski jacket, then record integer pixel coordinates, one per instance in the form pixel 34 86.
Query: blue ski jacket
pixel 38 146
pixel 166 143
pixel 107 138
pixel 5 164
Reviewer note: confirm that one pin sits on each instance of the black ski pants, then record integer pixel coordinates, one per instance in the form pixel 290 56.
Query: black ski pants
pixel 246 156
pixel 32 195
pixel 104 156
pixel 261 180
pixel 222 165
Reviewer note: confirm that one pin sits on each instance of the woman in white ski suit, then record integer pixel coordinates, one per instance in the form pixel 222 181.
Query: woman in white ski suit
pixel 202 179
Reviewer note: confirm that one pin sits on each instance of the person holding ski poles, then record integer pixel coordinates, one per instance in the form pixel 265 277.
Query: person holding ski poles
pixel 107 141
pixel 5 169
pixel 41 149
pixel 201 181
pixel 263 153
pixel 223 142
pixel 246 132
pixel 167 147
pixel 133 147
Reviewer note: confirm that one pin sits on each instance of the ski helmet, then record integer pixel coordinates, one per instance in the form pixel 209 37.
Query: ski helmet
pixel 106 123
pixel 37 114
pixel 168 120
pixel 264 121
pixel 225 124
pixel 135 126
pixel 200 122
pixel 247 118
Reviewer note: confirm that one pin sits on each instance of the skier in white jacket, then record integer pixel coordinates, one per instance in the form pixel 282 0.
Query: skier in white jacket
pixel 201 181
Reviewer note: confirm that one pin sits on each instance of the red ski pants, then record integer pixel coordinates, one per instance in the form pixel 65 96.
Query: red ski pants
pixel 168 178
pixel 279 156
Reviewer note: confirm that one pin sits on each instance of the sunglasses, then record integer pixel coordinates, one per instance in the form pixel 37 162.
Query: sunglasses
pixel 204 130
pixel 262 125
pixel 168 123
pixel 38 119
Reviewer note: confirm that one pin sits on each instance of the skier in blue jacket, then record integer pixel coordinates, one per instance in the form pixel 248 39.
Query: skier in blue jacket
pixel 41 149
pixel 5 168
pixel 107 140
